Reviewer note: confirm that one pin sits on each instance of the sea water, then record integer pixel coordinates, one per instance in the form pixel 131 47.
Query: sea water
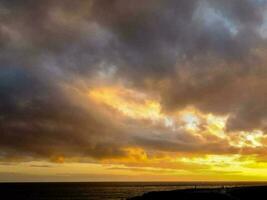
pixel 95 191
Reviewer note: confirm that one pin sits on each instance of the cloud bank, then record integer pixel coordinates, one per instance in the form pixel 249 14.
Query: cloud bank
pixel 207 55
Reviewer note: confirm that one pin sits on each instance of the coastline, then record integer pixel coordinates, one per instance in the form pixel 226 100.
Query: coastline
pixel 233 193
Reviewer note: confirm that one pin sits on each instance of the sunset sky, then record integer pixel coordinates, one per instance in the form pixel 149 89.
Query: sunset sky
pixel 133 90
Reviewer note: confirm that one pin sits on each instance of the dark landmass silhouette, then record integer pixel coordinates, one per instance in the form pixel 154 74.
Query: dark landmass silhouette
pixel 234 193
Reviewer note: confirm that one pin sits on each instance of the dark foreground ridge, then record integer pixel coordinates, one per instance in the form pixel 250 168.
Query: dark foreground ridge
pixel 236 193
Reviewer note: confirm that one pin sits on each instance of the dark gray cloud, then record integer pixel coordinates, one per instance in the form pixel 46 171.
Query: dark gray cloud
pixel 208 54
pixel 167 145
pixel 38 119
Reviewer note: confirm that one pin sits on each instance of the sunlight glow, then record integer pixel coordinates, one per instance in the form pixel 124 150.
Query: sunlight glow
pixel 130 103
pixel 204 127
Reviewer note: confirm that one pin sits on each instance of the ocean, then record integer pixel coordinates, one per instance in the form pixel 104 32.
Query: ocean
pixel 95 191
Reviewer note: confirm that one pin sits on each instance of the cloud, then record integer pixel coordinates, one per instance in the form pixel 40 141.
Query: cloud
pixel 206 54
pixel 39 119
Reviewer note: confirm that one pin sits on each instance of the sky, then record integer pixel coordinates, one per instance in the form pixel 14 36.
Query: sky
pixel 133 90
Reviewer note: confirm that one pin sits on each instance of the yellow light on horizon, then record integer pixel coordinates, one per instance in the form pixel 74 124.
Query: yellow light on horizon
pixel 203 127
